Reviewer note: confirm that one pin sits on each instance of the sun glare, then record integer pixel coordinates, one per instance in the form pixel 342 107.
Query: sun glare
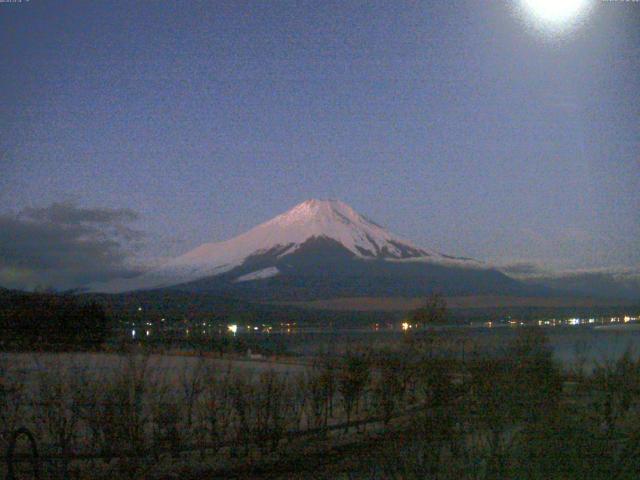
pixel 556 14
pixel 556 11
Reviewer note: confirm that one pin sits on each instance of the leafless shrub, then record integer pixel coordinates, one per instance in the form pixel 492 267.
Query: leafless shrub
pixel 130 397
pixel 58 407
pixel 271 409
pixel 616 387
pixel 436 421
pixel 297 401
pixel 241 393
pixel 316 405
pixel 96 414
pixel 330 382
pixel 12 396
pixel 214 409
pixel 192 386
pixel 353 376
pixel 164 418
pixel 387 388
pixel 117 412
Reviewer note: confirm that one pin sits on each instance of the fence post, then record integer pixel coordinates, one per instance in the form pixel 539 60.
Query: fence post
pixel 11 448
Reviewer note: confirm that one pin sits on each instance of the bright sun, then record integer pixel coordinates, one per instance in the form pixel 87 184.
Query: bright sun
pixel 556 11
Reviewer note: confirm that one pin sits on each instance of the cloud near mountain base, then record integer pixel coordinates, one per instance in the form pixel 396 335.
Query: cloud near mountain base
pixel 612 282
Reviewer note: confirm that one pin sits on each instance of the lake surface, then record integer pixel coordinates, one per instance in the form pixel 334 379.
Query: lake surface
pixel 591 344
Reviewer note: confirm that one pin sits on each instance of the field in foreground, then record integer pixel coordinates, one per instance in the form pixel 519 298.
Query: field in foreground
pixel 409 410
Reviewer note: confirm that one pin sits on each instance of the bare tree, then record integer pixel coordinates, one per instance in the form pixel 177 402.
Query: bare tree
pixel 59 408
pixel 242 392
pixel 316 402
pixel 192 385
pixel 434 311
pixel 353 377
pixel 387 387
pixel 271 409
pixel 12 396
pixel 215 406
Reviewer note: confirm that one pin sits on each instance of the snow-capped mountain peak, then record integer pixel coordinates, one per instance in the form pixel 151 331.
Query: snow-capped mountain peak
pixel 313 218
pixel 281 236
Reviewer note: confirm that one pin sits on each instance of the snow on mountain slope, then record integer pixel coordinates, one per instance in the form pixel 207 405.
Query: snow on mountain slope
pixel 259 274
pixel 313 218
pixel 285 234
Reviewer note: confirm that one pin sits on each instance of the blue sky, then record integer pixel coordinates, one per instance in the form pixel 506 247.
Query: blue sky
pixel 455 124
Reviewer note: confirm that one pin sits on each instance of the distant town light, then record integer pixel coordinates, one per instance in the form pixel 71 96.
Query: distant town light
pixel 405 326
pixel 232 328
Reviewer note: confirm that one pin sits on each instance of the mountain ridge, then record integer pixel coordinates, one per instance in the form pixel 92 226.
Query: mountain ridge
pixel 283 236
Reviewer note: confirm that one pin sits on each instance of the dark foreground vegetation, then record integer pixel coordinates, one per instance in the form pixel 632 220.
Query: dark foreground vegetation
pixel 413 411
pixel 51 321
pixel 43 321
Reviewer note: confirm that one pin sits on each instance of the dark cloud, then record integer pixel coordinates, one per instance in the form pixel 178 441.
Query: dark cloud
pixel 68 213
pixel 66 246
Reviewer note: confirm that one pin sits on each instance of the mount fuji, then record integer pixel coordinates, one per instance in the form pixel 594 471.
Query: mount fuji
pixel 319 249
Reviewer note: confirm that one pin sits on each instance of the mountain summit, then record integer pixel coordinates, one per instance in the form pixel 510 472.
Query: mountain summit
pixel 318 248
pixel 287 232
